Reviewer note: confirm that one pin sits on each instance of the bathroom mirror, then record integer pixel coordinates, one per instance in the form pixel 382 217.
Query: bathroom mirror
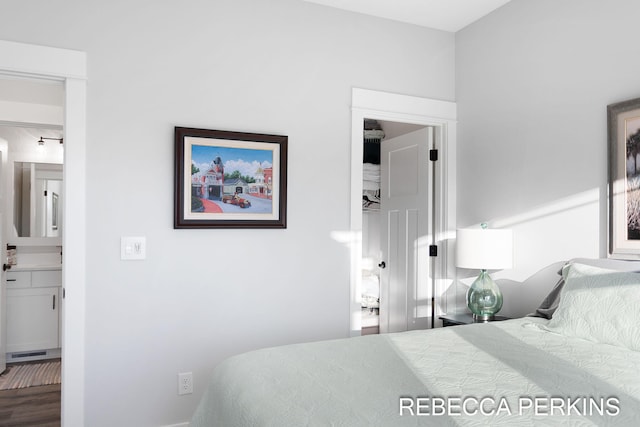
pixel 37 199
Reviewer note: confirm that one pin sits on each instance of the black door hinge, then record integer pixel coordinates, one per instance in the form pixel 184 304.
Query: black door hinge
pixel 433 250
pixel 433 155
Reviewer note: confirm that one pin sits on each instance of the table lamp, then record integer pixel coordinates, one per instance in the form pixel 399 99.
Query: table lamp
pixel 484 249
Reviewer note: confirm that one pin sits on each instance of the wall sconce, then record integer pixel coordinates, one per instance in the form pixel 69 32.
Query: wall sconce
pixel 42 138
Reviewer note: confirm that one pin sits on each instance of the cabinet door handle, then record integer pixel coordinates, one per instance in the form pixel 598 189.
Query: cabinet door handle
pixel 54 302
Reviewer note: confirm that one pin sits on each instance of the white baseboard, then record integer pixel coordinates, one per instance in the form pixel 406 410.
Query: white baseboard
pixel 178 425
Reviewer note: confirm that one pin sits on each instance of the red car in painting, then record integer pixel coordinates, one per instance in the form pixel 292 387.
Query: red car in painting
pixel 236 200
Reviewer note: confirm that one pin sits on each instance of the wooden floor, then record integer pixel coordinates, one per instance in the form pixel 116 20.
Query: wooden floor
pixel 31 406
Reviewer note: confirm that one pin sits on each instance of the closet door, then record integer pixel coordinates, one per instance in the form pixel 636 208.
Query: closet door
pixel 405 232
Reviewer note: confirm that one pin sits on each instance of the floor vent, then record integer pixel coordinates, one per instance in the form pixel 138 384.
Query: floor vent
pixel 32 354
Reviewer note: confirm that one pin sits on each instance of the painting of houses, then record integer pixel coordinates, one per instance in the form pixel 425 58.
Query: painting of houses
pixel 209 184
pixel 222 173
pixel 236 186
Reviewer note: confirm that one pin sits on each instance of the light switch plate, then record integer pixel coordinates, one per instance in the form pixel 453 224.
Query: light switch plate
pixel 133 248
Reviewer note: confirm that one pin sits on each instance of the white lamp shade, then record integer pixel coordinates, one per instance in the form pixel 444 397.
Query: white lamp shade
pixel 484 249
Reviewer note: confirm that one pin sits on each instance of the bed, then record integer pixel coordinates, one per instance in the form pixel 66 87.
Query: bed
pixel 576 365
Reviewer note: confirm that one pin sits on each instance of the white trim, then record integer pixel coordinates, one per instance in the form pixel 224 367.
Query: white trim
pixel 46 62
pixel 70 67
pixel 403 106
pixel 404 109
pixel 74 247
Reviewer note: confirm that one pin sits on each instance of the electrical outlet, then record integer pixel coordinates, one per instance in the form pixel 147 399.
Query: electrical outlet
pixel 185 383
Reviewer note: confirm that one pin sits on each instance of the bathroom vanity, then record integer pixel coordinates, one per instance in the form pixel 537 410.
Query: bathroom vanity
pixel 33 312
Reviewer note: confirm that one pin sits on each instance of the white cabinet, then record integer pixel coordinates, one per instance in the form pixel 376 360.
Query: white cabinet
pixel 32 319
pixel 33 310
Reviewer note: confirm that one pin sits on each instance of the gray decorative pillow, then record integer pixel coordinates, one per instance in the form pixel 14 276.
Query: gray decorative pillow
pixel 549 305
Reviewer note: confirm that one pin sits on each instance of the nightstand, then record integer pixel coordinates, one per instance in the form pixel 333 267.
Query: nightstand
pixel 465 319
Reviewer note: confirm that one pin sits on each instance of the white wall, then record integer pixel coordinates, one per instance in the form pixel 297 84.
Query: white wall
pixel 283 66
pixel 533 81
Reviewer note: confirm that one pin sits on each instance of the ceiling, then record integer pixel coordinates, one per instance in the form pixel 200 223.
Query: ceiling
pixel 446 15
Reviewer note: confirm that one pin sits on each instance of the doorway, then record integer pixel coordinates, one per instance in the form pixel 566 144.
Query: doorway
pixel 69 67
pixel 32 228
pixel 396 198
pixel 32 191
pixel 406 113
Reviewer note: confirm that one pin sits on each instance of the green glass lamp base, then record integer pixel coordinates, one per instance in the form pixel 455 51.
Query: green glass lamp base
pixel 484 298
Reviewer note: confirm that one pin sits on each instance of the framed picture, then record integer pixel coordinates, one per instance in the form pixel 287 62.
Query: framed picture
pixel 623 122
pixel 229 179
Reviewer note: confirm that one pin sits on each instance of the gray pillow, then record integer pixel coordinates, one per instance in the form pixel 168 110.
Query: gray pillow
pixel 549 305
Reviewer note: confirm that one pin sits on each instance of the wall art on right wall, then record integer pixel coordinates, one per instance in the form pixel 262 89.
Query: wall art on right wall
pixel 623 122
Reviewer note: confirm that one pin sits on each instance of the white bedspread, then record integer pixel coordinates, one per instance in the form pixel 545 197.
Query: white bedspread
pixel 510 373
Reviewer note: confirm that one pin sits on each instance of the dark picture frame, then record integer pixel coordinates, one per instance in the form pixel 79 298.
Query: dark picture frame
pixel 623 126
pixel 227 179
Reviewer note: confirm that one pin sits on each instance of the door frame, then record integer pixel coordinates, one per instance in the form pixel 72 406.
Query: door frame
pixel 68 66
pixel 442 115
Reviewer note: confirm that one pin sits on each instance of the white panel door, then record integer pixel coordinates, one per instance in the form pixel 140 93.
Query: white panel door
pixel 405 232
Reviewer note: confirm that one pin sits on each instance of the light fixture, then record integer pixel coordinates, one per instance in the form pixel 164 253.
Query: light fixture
pixel 484 249
pixel 42 138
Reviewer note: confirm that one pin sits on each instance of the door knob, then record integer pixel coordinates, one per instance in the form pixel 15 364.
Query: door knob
pixel 382 264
